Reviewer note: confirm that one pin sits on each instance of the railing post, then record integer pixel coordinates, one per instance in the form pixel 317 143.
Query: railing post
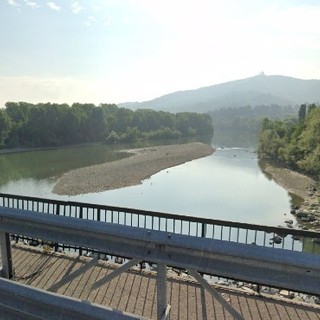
pixel 161 290
pixel 56 245
pixel 203 230
pixel 80 217
pixel 6 257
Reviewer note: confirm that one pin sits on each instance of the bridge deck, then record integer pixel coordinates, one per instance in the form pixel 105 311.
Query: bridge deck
pixel 135 291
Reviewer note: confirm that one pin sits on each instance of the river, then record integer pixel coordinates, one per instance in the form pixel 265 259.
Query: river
pixel 226 185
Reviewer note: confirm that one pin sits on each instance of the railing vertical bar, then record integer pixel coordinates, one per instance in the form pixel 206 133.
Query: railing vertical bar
pixel 161 290
pixel 204 230
pixel 6 255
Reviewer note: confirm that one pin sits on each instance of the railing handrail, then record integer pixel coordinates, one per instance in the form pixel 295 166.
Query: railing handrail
pixel 292 270
pixel 173 216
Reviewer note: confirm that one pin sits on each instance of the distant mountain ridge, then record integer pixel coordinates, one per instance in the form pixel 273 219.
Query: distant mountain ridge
pixel 256 90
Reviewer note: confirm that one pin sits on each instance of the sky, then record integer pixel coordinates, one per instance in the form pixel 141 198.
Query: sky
pixel 105 51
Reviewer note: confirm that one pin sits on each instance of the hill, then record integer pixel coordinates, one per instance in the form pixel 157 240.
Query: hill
pixel 257 90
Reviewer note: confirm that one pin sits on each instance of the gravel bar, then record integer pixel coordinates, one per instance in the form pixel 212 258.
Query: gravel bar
pixel 129 171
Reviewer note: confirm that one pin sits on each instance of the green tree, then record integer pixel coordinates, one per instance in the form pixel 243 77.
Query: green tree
pixel 46 124
pixel 18 112
pixel 295 144
pixel 5 126
pixel 302 112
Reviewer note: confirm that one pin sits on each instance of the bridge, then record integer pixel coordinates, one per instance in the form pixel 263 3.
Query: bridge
pixel 201 247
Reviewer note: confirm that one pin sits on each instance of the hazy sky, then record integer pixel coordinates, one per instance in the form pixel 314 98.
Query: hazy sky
pixel 118 51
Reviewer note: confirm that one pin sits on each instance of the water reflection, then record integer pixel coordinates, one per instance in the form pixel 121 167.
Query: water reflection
pixel 46 164
pixel 232 139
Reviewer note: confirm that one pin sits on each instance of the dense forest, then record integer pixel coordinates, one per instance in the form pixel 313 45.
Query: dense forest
pixel 50 125
pixel 294 142
pixel 248 118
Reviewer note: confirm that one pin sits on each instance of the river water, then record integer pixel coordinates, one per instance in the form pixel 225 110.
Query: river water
pixel 228 184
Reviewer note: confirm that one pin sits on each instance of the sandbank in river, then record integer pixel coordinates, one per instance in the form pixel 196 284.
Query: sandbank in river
pixel 129 171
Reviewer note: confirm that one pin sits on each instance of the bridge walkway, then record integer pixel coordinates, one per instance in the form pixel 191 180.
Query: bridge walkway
pixel 135 291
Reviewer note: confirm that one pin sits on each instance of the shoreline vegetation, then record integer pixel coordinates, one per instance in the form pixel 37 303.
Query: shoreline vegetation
pixel 43 125
pixel 294 143
pixel 129 171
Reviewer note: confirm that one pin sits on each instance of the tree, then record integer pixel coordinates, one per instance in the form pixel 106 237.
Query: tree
pixel 18 112
pixel 5 126
pixel 293 144
pixel 113 137
pixel 302 112
pixel 311 107
pixel 46 124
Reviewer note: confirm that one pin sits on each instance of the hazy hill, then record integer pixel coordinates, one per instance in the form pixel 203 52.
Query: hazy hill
pixel 257 90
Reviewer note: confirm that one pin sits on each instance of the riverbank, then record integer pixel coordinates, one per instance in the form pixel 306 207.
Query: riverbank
pixel 292 181
pixel 306 188
pixel 130 171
